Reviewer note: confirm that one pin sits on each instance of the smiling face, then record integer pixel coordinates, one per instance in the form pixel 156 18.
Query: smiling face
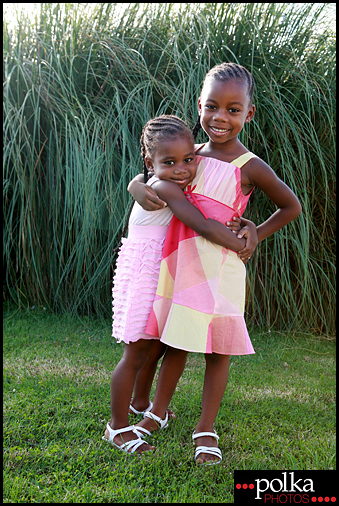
pixel 174 160
pixel 224 107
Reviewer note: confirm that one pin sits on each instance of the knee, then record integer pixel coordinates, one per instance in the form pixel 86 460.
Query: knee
pixel 156 351
pixel 215 359
pixel 136 355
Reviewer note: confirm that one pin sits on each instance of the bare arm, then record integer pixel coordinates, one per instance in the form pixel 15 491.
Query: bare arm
pixel 210 229
pixel 261 175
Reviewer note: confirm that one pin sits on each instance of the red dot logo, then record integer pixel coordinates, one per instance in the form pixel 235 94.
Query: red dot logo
pixel 238 486
pixel 251 486
pixel 244 486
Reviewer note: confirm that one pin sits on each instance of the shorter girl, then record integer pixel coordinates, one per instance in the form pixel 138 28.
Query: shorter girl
pixel 168 150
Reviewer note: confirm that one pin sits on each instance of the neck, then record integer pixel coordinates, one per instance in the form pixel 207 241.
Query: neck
pixel 231 146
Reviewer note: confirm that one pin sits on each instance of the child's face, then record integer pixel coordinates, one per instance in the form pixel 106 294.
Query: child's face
pixel 224 107
pixel 174 160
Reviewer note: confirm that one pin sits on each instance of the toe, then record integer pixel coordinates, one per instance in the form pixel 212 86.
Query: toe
pixel 171 414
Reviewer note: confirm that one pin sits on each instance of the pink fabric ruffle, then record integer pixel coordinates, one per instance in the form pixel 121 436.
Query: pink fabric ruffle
pixel 134 287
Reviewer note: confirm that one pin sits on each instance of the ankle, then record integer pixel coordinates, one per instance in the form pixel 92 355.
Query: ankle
pixel 159 411
pixel 204 428
pixel 140 404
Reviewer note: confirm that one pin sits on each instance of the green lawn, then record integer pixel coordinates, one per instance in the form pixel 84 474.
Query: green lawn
pixel 278 412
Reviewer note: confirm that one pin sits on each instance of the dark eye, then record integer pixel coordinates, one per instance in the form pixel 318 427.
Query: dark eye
pixel 188 160
pixel 234 110
pixel 209 106
pixel 169 162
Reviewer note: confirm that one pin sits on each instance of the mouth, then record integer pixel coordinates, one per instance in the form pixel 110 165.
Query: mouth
pixel 219 131
pixel 181 181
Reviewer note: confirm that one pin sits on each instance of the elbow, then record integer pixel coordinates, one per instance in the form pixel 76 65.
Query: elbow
pixel 294 210
pixel 204 229
pixel 298 210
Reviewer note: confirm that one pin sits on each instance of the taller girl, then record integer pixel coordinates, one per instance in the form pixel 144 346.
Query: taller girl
pixel 226 175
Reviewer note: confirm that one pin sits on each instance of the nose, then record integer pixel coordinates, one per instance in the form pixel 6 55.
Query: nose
pixel 221 116
pixel 180 170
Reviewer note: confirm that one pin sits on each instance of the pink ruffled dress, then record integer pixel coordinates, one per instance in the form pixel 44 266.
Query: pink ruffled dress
pixel 137 272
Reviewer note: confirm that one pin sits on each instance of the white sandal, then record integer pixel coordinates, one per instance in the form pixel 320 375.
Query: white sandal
pixel 210 450
pixel 141 412
pixel 129 446
pixel 162 423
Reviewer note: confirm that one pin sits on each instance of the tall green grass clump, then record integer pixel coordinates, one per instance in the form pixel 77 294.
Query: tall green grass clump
pixel 82 80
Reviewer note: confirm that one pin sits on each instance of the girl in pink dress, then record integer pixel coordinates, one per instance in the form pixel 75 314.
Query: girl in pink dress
pixel 199 304
pixel 168 151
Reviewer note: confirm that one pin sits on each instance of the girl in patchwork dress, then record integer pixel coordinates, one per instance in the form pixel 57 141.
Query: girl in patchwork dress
pixel 199 304
pixel 168 150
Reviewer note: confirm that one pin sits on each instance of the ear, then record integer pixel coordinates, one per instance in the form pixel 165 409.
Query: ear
pixel 149 163
pixel 199 105
pixel 250 114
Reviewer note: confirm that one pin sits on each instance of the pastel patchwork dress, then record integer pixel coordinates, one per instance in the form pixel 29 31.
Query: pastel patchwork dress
pixel 200 298
pixel 137 271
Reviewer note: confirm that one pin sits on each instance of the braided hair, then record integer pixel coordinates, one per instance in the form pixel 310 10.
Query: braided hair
pixel 158 129
pixel 225 72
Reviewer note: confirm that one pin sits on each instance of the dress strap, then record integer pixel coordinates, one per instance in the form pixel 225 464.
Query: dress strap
pixel 152 180
pixel 197 147
pixel 189 193
pixel 242 159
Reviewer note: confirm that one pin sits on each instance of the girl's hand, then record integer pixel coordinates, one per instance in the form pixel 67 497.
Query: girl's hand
pixel 149 200
pixel 234 225
pixel 145 195
pixel 250 234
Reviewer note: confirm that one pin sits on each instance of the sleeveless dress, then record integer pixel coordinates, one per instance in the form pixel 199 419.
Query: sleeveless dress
pixel 200 298
pixel 137 271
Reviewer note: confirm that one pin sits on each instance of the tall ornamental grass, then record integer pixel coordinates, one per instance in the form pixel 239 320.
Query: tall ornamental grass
pixel 82 80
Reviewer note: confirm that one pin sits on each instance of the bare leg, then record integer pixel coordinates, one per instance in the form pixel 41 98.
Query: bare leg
pixel 172 367
pixel 216 376
pixel 145 376
pixel 122 383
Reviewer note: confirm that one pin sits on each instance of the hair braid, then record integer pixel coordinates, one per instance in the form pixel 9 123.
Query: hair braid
pixel 196 128
pixel 143 154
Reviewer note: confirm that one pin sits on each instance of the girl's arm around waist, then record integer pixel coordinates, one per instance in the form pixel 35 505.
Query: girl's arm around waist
pixel 210 229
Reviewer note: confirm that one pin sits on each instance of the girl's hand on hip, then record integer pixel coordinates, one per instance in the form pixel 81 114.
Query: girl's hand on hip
pixel 249 232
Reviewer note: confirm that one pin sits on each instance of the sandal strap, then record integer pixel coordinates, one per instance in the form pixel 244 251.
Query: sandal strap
pixel 210 450
pixel 132 445
pixel 115 432
pixel 201 434
pixel 136 412
pixel 162 423
pixel 129 446
pixel 139 431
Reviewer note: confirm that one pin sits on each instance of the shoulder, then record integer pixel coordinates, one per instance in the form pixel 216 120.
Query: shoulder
pixel 256 169
pixel 168 190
